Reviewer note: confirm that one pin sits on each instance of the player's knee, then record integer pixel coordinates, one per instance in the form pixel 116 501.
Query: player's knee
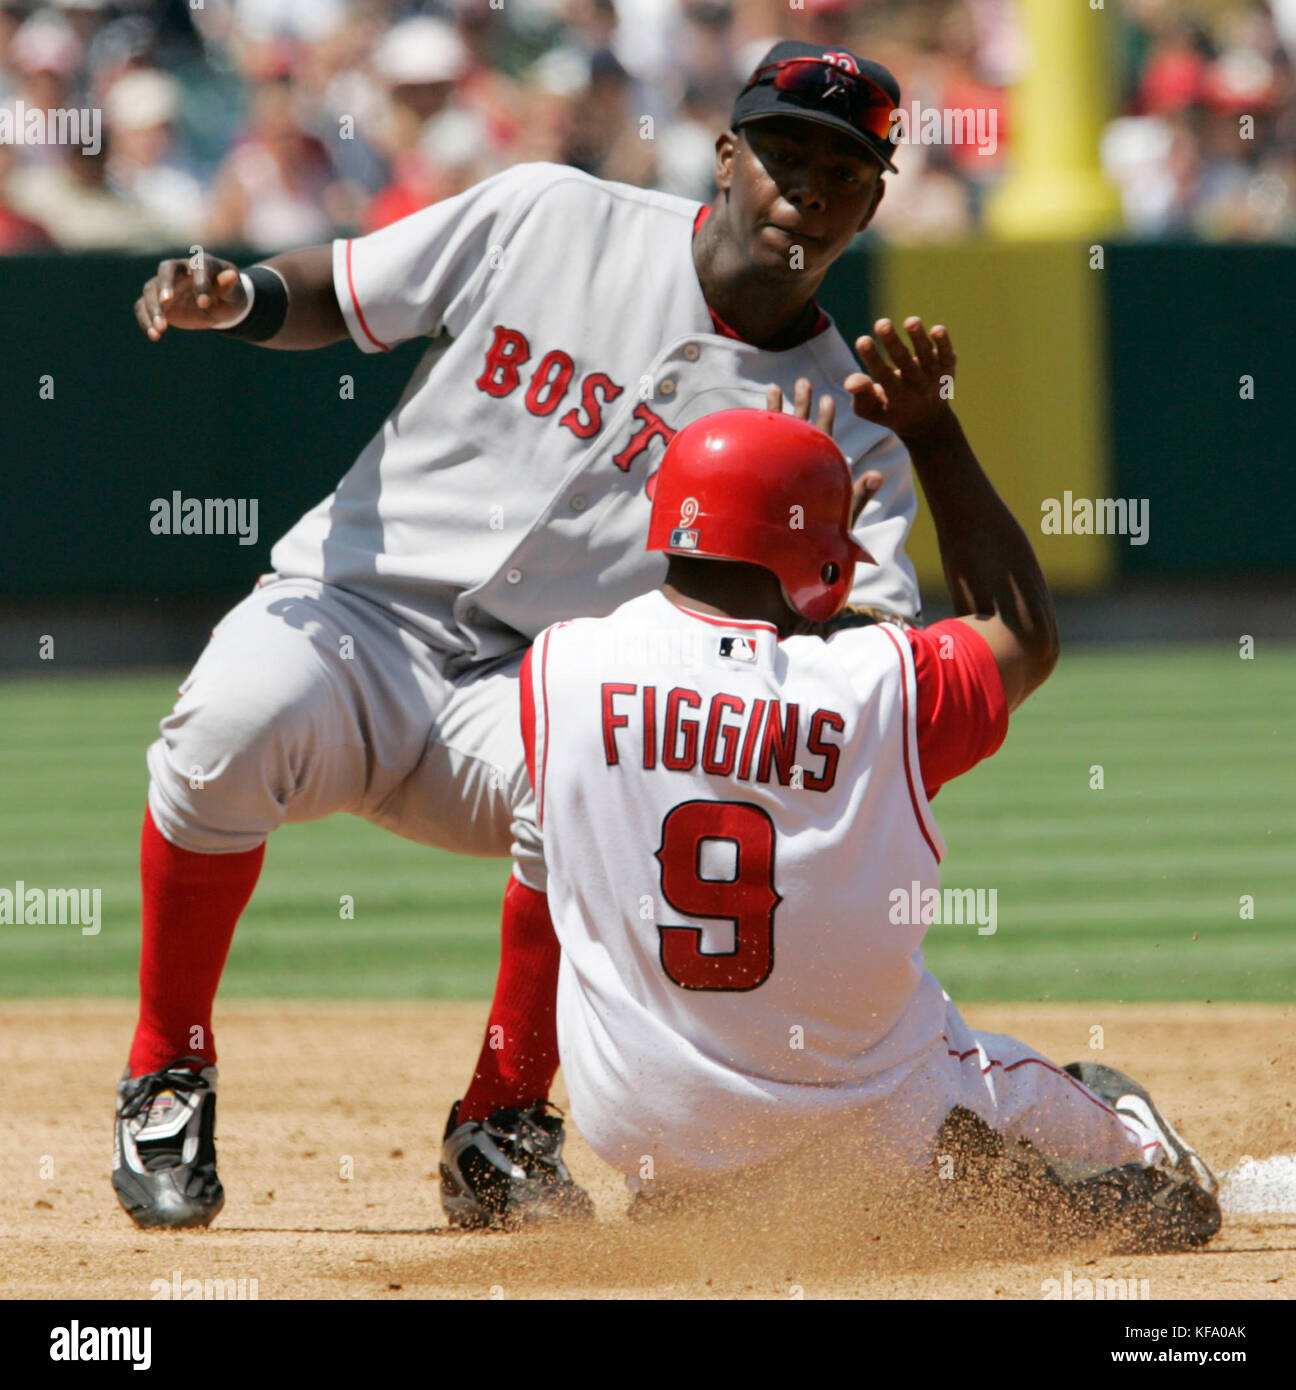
pixel 232 755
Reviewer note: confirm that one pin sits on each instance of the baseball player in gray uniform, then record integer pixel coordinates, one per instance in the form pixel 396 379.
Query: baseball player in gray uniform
pixel 573 327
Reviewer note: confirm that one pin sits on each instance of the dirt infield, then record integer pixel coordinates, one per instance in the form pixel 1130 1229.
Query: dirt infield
pixel 329 1128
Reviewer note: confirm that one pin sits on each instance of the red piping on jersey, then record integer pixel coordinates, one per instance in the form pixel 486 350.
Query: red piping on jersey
pixel 1057 1071
pixel 526 695
pixel 904 707
pixel 359 311
pixel 544 761
pixel 722 328
pixel 544 691
pixel 722 622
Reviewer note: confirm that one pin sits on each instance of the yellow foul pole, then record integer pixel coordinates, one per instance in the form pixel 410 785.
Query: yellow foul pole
pixel 1056 189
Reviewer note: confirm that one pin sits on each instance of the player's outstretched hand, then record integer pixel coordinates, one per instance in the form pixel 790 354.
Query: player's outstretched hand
pixel 907 394
pixel 201 291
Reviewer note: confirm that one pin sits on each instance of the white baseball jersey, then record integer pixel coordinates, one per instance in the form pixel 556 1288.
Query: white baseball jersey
pixel 730 823
pixel 725 816
pixel 570 340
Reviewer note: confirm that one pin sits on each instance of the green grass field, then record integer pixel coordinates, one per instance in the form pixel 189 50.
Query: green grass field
pixel 1131 892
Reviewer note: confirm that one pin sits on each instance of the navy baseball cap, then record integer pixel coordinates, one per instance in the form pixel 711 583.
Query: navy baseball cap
pixel 828 85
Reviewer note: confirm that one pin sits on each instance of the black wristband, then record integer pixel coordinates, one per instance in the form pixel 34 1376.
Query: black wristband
pixel 269 307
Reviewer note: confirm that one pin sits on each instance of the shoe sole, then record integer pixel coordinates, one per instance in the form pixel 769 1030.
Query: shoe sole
pixel 464 1210
pixel 461 1208
pixel 142 1207
pixel 147 1218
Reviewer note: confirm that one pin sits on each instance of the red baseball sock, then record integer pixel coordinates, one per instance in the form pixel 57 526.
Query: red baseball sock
pixel 192 903
pixel 520 1055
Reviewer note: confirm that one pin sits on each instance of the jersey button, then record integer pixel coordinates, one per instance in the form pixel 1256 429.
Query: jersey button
pixel 692 352
pixel 514 576
pixel 667 387
pixel 578 503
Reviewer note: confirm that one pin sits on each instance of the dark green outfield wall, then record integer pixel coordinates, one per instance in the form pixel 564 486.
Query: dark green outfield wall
pixel 131 421
pixel 1185 324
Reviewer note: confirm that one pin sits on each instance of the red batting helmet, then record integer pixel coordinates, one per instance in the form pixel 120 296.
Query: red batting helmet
pixel 766 488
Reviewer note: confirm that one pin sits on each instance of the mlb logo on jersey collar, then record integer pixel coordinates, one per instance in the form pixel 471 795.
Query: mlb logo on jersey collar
pixel 738 648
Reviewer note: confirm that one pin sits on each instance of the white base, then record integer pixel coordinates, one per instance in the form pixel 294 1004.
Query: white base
pixel 1260 1184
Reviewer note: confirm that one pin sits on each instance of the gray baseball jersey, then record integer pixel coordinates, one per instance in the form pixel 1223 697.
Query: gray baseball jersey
pixel 570 340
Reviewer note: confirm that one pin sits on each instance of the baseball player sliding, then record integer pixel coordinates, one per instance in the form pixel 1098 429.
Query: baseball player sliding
pixel 573 327
pixel 732 811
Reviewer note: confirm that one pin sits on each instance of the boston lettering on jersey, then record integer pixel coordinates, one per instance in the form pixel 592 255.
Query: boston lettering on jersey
pixel 754 742
pixel 501 375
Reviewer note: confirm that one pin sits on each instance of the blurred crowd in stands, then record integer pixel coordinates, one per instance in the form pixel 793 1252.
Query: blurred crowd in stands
pixel 275 123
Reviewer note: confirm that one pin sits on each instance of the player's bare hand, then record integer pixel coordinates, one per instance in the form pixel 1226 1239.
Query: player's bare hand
pixel 802 400
pixel 200 291
pixel 908 389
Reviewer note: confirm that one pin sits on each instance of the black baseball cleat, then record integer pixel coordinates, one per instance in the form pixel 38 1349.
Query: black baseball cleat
pixel 507 1172
pixel 164 1147
pixel 1140 1210
pixel 1131 1208
pixel 1181 1197
pixel 1127 1097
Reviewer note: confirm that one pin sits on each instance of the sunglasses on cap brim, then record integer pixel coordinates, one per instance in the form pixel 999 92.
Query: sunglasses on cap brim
pixel 863 103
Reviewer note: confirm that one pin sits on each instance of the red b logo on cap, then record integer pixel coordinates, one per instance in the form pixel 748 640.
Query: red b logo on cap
pixel 842 60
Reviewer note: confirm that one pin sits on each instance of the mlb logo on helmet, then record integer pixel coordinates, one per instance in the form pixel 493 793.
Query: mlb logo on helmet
pixel 684 540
